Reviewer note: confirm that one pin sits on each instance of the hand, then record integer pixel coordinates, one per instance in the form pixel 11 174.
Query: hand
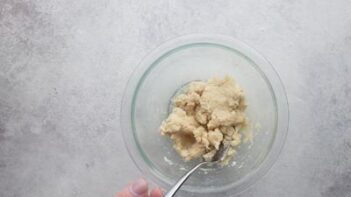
pixel 139 189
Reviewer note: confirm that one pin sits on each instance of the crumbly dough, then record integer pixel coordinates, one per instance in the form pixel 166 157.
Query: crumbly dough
pixel 205 115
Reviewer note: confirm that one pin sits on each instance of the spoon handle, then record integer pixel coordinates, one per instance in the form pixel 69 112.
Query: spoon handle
pixel 180 182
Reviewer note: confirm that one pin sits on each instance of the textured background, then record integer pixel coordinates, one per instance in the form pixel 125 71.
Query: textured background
pixel 64 64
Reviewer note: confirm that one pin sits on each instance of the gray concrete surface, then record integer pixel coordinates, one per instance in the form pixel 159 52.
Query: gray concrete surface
pixel 64 64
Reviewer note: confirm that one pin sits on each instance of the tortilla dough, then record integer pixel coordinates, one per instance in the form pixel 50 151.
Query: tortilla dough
pixel 204 116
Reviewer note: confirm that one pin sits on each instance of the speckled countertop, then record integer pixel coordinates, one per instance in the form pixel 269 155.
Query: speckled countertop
pixel 64 64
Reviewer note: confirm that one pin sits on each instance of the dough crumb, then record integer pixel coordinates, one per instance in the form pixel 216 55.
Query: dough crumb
pixel 205 115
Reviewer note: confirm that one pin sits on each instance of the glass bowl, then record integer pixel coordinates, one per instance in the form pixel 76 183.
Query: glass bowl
pixel 159 76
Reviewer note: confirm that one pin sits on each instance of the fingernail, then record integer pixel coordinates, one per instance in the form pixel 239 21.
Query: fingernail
pixel 139 187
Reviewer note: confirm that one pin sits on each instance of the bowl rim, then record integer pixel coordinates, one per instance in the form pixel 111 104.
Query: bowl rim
pixel 262 64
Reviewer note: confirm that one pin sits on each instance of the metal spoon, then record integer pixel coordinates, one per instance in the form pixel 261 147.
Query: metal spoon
pixel 217 158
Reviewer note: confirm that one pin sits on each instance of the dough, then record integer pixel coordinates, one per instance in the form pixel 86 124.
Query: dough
pixel 205 115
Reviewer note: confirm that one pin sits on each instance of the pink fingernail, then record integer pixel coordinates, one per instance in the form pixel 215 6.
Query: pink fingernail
pixel 138 188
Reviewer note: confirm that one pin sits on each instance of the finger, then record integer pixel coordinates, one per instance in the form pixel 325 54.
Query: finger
pixel 137 189
pixel 156 192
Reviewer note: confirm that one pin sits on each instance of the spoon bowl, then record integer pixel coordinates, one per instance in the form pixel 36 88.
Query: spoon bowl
pixel 217 159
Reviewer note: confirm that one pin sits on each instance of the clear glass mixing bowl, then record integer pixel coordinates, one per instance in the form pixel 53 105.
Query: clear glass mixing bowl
pixel 199 57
